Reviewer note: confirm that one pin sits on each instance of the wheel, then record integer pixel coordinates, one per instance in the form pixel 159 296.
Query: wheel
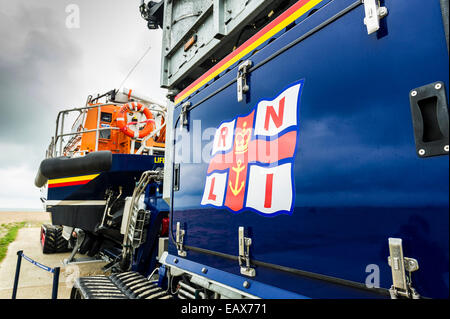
pixel 62 245
pixel 48 239
pixel 52 240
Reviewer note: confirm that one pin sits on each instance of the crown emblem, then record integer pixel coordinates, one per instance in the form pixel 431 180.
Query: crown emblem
pixel 242 139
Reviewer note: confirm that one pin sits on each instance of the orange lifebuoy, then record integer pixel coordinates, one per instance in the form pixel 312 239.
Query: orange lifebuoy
pixel 124 126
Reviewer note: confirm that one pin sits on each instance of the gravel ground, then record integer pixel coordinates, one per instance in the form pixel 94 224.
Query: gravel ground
pixel 34 217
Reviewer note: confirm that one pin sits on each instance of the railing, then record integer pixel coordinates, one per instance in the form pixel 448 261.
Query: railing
pixel 145 139
pixel 55 271
pixel 54 151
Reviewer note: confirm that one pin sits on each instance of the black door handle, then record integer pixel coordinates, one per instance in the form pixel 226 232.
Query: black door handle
pixel 429 110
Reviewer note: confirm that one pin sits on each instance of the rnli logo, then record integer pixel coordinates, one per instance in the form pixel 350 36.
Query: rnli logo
pixel 252 161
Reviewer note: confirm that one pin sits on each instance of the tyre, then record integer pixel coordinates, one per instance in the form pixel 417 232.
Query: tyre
pixel 61 244
pixel 48 239
pixel 52 240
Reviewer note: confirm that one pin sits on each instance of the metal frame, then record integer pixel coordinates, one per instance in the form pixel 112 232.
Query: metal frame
pixel 52 150
pixel 227 284
pixel 216 24
pixel 131 240
pixel 145 139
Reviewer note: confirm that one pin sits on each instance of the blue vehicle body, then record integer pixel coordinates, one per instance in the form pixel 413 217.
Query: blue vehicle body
pixel 357 177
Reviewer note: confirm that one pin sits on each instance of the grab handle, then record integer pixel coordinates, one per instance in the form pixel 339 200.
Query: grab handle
pixel 429 110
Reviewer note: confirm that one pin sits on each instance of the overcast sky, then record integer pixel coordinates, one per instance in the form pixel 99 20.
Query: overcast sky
pixel 46 67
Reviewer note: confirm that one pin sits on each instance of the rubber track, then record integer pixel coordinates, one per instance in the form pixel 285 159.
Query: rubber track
pixel 127 285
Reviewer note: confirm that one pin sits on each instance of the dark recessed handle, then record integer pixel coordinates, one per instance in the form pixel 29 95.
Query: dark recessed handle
pixel 429 110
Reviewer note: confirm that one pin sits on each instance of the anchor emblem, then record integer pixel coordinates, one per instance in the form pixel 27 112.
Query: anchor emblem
pixel 241 147
pixel 235 190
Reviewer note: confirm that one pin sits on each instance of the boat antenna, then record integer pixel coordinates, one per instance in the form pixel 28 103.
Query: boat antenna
pixel 134 67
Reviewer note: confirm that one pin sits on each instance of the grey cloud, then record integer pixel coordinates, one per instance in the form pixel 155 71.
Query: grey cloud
pixel 45 67
pixel 33 74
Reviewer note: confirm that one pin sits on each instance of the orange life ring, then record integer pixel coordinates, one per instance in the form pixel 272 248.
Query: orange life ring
pixel 124 126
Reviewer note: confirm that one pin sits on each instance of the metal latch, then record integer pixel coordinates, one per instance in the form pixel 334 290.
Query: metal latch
pixel 400 265
pixel 184 116
pixel 242 86
pixel 244 254
pixel 176 175
pixel 179 240
pixel 373 13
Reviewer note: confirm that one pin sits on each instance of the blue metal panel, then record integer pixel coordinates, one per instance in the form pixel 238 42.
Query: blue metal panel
pixel 358 179
pixel 255 288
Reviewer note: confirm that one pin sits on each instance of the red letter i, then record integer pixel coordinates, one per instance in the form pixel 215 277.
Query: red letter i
pixel 269 183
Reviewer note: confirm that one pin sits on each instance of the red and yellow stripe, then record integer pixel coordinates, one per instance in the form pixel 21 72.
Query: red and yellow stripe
pixel 276 26
pixel 71 181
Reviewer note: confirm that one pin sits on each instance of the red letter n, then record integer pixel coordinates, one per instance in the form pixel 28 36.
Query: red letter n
pixel 276 118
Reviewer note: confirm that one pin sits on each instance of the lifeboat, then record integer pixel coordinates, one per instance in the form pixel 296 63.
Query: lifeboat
pixel 92 167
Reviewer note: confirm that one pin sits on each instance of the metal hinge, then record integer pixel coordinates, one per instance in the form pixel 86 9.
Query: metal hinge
pixel 176 175
pixel 242 86
pixel 179 240
pixel 171 94
pixel 373 14
pixel 400 266
pixel 244 254
pixel 184 116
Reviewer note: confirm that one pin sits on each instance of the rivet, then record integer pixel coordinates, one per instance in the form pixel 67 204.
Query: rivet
pixel 438 86
pixel 421 151
pixel 246 284
pixel 204 270
pixel 383 12
pixel 175 260
pixel 446 148
pixel 413 93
